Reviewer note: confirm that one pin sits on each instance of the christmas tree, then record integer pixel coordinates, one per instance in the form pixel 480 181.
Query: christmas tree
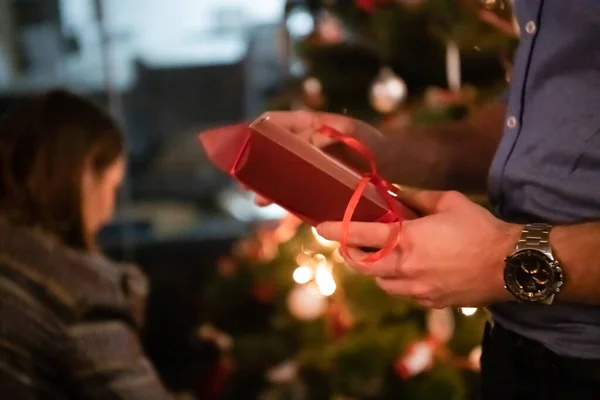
pixel 291 319
pixel 375 59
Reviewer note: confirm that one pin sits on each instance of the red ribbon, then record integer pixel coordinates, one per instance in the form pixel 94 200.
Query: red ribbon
pixel 383 188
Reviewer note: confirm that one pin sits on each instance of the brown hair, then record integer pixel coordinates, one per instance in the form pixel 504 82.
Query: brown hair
pixel 45 144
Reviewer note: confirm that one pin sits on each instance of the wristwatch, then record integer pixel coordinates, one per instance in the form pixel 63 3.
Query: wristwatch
pixel 531 273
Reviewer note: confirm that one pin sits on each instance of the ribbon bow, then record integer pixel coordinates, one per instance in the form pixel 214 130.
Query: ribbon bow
pixel 384 189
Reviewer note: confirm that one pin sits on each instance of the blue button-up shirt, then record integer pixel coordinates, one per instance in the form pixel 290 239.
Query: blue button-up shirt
pixel 547 167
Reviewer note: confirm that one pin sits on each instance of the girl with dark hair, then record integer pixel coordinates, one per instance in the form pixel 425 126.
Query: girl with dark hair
pixel 69 318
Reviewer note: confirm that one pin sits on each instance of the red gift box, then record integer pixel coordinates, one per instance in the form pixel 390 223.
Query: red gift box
pixel 300 177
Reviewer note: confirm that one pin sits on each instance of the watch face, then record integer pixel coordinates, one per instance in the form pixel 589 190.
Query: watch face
pixel 530 275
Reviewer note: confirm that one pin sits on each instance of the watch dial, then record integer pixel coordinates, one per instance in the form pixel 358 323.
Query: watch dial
pixel 529 275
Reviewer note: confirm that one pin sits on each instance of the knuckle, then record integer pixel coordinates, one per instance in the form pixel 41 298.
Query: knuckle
pixel 438 300
pixel 425 303
pixel 266 114
pixel 408 270
pixel 359 234
pixel 359 267
pixel 451 197
pixel 390 287
pixel 384 285
pixel 421 291
pixel 438 305
pixel 387 230
pixel 303 115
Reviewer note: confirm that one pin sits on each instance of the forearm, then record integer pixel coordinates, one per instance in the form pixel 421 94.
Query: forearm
pixel 454 156
pixel 577 248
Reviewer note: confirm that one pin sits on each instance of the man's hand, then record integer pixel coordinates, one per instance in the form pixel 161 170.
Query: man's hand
pixel 306 123
pixel 452 256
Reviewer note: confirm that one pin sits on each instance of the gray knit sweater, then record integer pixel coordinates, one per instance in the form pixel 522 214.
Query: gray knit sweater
pixel 69 323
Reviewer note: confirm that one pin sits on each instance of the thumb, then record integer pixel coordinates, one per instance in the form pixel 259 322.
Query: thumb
pixel 424 202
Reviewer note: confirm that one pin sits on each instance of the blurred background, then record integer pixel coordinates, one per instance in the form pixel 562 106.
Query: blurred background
pixel 230 311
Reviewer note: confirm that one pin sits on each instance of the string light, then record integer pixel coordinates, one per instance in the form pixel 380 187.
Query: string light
pixel 303 274
pixel 304 258
pixel 320 260
pixel 468 311
pixel 322 241
pixel 325 281
pixel 319 268
pixel 324 278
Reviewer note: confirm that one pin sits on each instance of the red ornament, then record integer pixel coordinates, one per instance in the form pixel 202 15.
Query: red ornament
pixel 369 5
pixel 339 319
pixel 267 242
pixel 247 249
pixel 417 358
pixel 264 292
pixel 217 379
pixel 226 267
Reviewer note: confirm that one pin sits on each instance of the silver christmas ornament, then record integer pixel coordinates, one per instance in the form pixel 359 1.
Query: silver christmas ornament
pixel 387 92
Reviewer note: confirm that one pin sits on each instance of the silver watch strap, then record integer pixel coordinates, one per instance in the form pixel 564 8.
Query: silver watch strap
pixel 535 236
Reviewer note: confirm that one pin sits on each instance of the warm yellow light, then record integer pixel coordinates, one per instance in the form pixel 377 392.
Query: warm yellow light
pixel 320 261
pixel 327 288
pixel 322 241
pixel 325 280
pixel 468 311
pixel 304 259
pixel 303 274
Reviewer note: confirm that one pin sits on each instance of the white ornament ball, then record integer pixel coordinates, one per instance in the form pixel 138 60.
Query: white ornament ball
pixel 418 358
pixel 441 324
pixel 387 92
pixel 306 302
pixel 313 96
pixel 300 22
pixel 312 86
pixel 330 29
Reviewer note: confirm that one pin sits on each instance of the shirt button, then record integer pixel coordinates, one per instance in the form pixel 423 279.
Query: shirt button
pixel 530 27
pixel 511 122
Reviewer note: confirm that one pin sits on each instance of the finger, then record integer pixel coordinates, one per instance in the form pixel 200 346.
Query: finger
pixel 315 139
pixel 422 201
pixel 294 121
pixel 427 303
pixel 301 121
pixel 341 123
pixel 396 287
pixel 384 268
pixel 360 234
pixel 321 141
pixel 430 202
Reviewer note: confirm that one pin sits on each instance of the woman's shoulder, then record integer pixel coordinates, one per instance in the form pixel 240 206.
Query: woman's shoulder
pixel 71 282
pixel 70 311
